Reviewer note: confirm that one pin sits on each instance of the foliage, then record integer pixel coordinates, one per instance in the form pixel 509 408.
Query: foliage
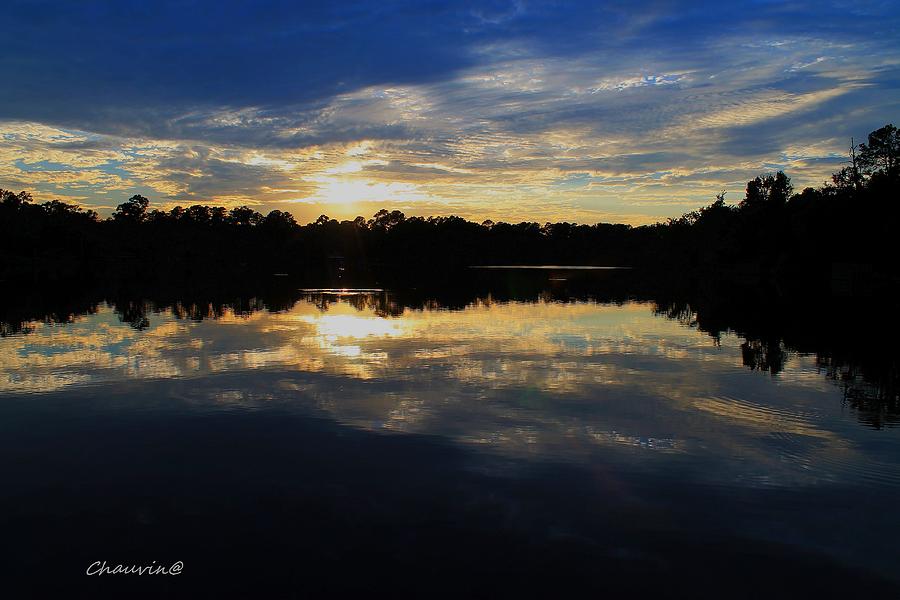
pixel 771 230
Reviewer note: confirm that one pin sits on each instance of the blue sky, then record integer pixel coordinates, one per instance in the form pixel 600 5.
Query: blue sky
pixel 595 111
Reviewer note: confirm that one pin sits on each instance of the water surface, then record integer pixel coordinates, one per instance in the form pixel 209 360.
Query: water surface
pixel 567 443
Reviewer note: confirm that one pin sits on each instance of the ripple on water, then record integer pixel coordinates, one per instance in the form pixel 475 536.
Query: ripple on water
pixel 800 441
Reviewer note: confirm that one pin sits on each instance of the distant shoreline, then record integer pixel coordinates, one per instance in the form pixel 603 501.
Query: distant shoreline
pixel 549 267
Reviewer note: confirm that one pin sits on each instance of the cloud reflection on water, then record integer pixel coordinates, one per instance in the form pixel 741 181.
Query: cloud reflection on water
pixel 547 379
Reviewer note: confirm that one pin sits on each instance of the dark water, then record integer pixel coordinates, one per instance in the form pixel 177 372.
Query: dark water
pixel 349 442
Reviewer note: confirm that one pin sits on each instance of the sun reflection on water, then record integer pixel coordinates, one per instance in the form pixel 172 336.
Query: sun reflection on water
pixel 544 378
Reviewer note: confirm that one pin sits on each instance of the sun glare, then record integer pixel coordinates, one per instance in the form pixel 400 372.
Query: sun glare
pixel 334 327
pixel 349 191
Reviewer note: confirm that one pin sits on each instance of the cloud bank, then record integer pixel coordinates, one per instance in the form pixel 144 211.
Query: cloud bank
pixel 620 111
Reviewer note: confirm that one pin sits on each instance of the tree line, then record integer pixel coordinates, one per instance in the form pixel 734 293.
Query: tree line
pixel 772 232
pixel 848 338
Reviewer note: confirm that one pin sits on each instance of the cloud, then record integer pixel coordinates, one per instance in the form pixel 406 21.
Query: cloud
pixel 619 111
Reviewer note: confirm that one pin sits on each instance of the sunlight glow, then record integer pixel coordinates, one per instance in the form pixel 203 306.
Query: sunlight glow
pixel 345 191
pixel 334 327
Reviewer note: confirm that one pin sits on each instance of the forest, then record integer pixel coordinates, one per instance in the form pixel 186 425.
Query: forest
pixel 840 232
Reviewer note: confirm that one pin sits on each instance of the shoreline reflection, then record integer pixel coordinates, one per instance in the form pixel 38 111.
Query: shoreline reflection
pixel 545 378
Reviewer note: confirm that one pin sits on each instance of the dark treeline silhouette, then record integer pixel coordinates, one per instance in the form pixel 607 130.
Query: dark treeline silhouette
pixel 841 232
pixel 843 229
pixel 851 340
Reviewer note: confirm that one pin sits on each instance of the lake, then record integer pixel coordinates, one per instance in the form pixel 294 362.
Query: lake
pixel 533 443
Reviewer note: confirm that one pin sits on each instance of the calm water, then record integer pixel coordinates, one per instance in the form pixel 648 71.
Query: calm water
pixel 350 442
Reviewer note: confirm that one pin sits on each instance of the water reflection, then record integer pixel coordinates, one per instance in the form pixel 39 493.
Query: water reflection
pixel 545 378
pixel 656 419
pixel 846 352
pixel 851 342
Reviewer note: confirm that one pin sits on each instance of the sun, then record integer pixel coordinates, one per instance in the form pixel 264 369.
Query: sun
pixel 346 191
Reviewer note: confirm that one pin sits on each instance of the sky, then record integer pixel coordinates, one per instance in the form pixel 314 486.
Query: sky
pixel 625 111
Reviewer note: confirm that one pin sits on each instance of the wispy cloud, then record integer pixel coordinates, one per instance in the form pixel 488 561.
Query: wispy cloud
pixel 506 110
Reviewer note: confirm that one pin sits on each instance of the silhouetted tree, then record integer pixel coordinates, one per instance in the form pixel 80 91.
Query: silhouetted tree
pixel 198 214
pixel 771 234
pixel 768 190
pixel 847 179
pixel 13 200
pixel 133 210
pixel 279 220
pixel 881 156
pixel 244 216
pixel 385 220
